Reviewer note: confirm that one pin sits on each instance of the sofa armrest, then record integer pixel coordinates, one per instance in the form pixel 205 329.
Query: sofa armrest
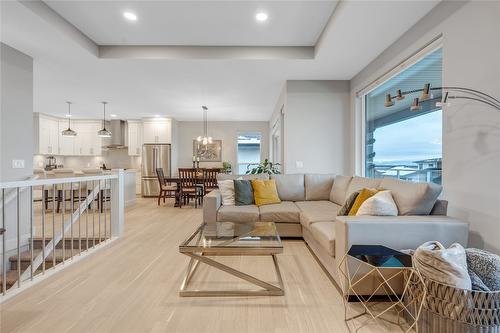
pixel 211 204
pixel 398 232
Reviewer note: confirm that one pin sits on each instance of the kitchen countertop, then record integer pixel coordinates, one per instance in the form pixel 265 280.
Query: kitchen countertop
pixel 78 173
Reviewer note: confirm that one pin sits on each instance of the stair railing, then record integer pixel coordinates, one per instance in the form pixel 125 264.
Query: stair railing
pixel 100 200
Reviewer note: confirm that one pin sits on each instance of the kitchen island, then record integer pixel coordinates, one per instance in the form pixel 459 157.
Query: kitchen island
pixel 129 186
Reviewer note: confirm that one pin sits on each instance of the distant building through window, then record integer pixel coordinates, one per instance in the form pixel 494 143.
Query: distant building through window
pixel 248 151
pixel 399 142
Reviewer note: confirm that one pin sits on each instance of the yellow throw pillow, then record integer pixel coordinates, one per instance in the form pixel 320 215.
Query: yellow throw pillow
pixel 363 195
pixel 265 192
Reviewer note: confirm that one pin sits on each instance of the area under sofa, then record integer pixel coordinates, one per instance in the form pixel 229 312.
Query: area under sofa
pixel 309 207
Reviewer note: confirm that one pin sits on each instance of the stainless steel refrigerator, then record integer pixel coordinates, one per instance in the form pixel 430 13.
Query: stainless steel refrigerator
pixel 154 156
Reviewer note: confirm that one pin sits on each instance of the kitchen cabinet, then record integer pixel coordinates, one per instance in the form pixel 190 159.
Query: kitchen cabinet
pixel 157 131
pixel 87 142
pixel 134 138
pixel 46 138
pixel 66 143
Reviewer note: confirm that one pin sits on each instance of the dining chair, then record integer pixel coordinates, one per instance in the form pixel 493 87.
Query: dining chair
pixel 210 180
pixel 189 186
pixel 167 190
pixel 60 196
pixel 102 197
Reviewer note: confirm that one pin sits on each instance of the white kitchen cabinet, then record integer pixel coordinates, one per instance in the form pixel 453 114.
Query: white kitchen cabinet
pixel 134 138
pixel 46 138
pixel 87 142
pixel 157 131
pixel 66 143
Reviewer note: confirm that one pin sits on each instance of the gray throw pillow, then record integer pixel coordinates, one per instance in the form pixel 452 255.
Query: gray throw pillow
pixel 344 210
pixel 486 265
pixel 243 193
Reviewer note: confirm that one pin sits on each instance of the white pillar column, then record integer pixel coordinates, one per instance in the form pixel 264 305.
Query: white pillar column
pixel 118 204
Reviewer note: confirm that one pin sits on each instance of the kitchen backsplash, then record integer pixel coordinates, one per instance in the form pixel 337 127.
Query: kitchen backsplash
pixel 113 159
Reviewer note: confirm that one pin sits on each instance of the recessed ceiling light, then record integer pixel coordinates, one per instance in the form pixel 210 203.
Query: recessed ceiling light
pixel 68 115
pixel 130 16
pixel 112 115
pixel 261 17
pixel 157 116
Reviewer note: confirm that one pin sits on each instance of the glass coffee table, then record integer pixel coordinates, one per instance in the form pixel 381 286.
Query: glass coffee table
pixel 230 239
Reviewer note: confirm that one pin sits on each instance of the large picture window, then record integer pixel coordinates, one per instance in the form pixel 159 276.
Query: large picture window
pixel 248 151
pixel 400 142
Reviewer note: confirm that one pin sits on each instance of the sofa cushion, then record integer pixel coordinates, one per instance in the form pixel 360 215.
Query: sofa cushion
pixel 290 187
pixel 265 192
pixel 248 213
pixel 285 211
pixel 381 204
pixel 226 188
pixel 359 183
pixel 243 192
pixel 316 211
pixel 363 195
pixel 324 234
pixel 346 207
pixel 224 176
pixel 339 189
pixel 412 198
pixel 318 186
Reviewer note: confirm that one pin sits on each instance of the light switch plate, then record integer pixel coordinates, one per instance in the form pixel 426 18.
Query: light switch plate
pixel 299 164
pixel 18 164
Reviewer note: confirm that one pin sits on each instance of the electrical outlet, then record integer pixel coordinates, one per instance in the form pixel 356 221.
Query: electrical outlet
pixel 18 164
pixel 299 164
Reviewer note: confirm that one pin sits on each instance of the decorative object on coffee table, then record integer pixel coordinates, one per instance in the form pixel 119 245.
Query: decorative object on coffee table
pixel 229 239
pixel 383 264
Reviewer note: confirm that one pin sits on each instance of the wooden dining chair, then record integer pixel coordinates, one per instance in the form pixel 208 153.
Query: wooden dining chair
pixel 210 180
pixel 189 186
pixel 167 190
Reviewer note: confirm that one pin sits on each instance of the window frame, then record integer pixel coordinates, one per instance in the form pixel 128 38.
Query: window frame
pixel 360 97
pixel 237 169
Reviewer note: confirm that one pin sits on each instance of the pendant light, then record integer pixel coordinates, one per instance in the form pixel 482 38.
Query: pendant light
pixel 104 133
pixel 69 132
pixel 205 139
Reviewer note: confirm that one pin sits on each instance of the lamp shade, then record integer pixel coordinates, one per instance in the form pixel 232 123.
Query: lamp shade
pixel 69 132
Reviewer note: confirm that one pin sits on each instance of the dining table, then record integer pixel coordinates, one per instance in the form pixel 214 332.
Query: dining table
pixel 177 181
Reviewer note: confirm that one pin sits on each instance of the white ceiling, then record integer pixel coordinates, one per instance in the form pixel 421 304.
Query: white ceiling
pixel 290 23
pixel 233 89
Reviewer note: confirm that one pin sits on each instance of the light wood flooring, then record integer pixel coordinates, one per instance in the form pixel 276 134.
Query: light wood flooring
pixel 132 286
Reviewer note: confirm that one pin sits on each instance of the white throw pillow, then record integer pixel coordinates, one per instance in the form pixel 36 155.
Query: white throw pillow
pixel 226 188
pixel 381 204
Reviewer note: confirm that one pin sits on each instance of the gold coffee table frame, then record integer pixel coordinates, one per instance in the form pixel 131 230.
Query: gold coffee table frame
pixel 349 280
pixel 230 247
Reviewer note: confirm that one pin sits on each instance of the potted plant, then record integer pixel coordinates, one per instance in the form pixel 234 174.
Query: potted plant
pixel 227 167
pixel 264 167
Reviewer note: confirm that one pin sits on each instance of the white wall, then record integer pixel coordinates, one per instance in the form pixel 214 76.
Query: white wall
pixel 16 116
pixel 471 131
pixel 16 135
pixel 227 131
pixel 316 127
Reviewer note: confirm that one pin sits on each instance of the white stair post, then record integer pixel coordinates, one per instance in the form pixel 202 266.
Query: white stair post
pixel 117 204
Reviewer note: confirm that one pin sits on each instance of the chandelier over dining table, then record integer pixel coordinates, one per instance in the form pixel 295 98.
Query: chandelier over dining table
pixel 205 139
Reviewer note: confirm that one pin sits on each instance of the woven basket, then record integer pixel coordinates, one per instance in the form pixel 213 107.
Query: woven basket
pixel 447 309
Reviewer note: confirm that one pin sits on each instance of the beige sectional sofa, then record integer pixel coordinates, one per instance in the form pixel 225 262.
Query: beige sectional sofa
pixel 309 207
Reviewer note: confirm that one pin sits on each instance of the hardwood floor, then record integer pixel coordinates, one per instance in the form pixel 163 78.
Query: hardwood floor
pixel 132 286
